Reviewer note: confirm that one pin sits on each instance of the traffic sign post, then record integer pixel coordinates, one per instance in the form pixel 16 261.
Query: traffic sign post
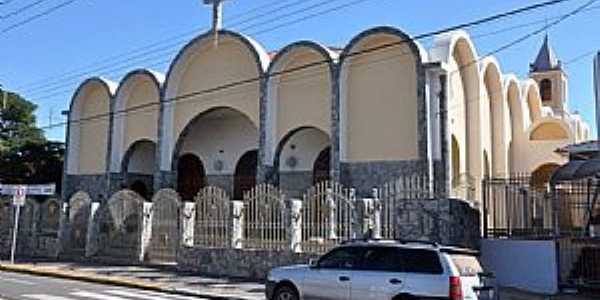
pixel 18 200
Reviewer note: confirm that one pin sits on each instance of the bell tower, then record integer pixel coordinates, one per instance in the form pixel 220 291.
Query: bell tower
pixel 547 71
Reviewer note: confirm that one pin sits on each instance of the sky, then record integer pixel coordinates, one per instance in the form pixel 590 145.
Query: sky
pixel 45 59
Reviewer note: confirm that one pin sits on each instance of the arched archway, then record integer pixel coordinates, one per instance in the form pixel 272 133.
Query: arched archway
pixel 191 176
pixel 541 176
pixel 322 166
pixel 296 156
pixel 455 165
pixel 245 174
pixel 140 188
pixel 546 90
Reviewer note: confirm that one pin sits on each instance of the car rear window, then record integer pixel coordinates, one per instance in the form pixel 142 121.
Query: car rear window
pixel 467 265
pixel 393 259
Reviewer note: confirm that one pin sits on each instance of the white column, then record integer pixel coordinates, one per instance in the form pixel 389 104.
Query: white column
pixel 237 232
pixel 188 224
pixel 91 245
pixel 146 230
pixel 296 226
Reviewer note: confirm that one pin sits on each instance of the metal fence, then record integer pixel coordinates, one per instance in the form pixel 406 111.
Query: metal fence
pixel 328 216
pixel 266 221
pixel 213 218
pixel 516 208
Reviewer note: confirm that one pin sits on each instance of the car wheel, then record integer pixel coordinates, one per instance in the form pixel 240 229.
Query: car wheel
pixel 286 293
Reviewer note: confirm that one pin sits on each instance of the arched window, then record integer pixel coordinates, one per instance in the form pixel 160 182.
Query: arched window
pixel 546 90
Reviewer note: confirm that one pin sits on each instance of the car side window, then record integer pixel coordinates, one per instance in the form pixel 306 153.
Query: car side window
pixel 421 261
pixel 385 259
pixel 341 258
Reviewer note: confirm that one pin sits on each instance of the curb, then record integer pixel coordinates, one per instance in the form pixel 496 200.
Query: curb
pixel 114 281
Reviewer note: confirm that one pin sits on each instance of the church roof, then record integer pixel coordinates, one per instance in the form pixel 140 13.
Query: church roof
pixel 546 59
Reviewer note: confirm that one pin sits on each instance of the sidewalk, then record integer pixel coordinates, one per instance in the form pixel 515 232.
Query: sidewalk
pixel 163 278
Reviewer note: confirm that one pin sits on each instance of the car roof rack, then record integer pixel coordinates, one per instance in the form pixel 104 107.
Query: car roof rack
pixel 430 243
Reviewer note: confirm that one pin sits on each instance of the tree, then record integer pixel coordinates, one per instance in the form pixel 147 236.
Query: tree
pixel 26 157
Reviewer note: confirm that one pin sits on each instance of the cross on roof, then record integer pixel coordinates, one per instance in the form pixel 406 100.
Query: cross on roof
pixel 217 13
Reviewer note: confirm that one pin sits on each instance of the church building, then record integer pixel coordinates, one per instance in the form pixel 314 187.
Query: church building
pixel 231 114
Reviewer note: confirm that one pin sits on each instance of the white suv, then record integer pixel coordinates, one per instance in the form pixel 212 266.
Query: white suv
pixel 378 269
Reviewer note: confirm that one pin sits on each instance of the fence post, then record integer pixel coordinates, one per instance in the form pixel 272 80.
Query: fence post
pixel 91 245
pixel 377 207
pixel 365 214
pixel 188 221
pixel 237 232
pixel 332 209
pixel 296 225
pixel 146 230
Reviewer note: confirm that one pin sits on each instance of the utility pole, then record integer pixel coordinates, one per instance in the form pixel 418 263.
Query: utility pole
pixel 597 92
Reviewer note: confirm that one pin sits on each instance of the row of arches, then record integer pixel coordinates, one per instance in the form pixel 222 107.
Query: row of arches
pixel 284 109
pixel 498 124
pixel 305 108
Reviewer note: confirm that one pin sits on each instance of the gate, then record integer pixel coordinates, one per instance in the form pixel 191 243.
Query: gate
pixel 165 226
pixel 407 208
pixel 79 215
pixel 120 226
pixel 328 216
pixel 213 218
pixel 265 219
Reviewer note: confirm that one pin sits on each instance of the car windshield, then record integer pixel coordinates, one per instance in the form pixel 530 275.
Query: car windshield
pixel 467 265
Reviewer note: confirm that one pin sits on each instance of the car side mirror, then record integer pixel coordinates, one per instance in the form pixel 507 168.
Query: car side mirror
pixel 313 263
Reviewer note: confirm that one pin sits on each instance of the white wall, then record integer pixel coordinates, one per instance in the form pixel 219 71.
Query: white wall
pixel 527 265
pixel 308 144
pixel 234 134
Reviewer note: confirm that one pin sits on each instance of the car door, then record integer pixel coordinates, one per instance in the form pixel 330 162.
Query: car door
pixel 379 274
pixel 331 277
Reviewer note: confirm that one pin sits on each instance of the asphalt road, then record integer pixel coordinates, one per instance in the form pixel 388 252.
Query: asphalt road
pixel 14 286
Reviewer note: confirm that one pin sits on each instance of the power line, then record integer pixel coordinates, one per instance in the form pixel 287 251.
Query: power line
pixel 167 49
pixel 345 56
pixel 22 9
pixel 470 24
pixel 60 80
pixel 37 16
pixel 180 39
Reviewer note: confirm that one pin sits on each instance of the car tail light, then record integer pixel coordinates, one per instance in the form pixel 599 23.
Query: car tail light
pixel 455 288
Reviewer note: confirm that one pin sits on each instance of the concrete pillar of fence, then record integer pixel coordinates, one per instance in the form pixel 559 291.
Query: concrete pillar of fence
pixel 146 230
pixel 296 225
pixel 63 228
pixel 237 231
pixel 376 215
pixel 332 210
pixel 364 211
pixel 91 245
pixel 188 221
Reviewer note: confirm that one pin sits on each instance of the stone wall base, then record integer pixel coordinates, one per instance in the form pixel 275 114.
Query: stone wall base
pixel 237 263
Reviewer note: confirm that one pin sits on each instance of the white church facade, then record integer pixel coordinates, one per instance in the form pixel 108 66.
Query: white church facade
pixel 231 114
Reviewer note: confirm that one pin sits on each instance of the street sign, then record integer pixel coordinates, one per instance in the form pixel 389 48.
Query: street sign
pixel 20 195
pixel 32 189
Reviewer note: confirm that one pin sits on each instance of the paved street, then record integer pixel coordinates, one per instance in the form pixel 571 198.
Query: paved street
pixel 14 286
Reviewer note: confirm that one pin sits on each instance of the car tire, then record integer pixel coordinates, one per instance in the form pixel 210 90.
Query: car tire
pixel 286 292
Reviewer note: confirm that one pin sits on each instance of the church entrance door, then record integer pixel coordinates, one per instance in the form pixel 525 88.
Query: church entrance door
pixel 245 174
pixel 191 176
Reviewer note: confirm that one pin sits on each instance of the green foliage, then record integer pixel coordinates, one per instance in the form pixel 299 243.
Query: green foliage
pixel 26 157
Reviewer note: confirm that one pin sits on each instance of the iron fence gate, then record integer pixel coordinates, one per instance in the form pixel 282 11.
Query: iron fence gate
pixel 120 225
pixel 328 216
pixel 165 226
pixel 213 218
pixel 79 215
pixel 265 219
